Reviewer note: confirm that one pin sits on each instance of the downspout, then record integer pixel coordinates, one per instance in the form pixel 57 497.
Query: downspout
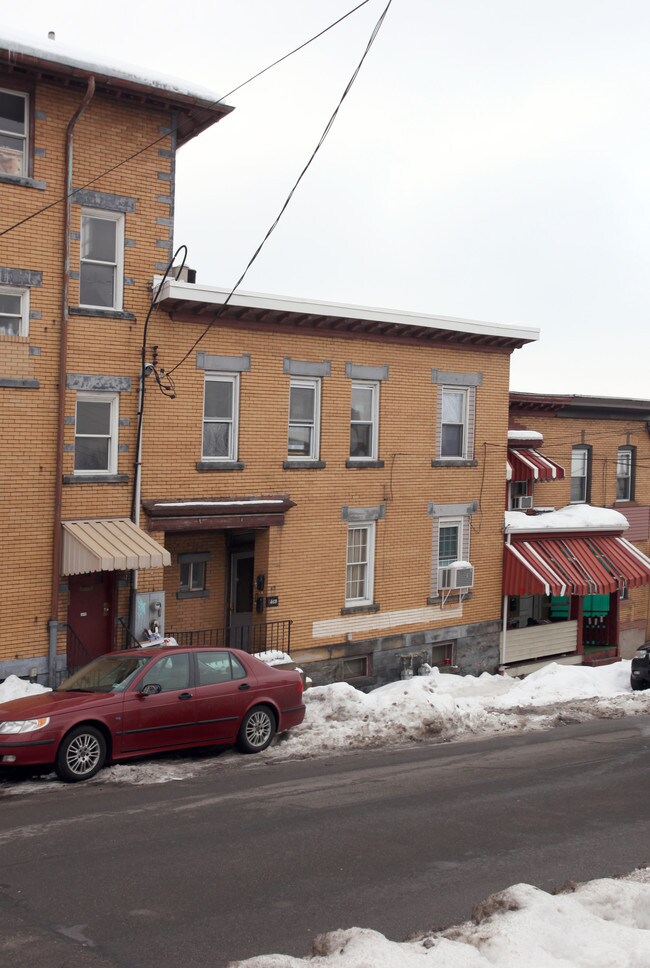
pixel 63 359
pixel 505 622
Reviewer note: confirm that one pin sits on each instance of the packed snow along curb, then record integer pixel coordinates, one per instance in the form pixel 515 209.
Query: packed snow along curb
pixel 15 688
pixel 599 924
pixel 340 717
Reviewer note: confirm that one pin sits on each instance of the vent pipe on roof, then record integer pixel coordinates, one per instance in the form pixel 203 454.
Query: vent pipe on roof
pixel 51 35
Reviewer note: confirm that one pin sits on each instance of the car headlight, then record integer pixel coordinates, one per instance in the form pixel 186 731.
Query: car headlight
pixel 23 725
pixel 641 654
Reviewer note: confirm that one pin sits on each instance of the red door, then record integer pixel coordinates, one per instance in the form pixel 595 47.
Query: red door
pixel 90 616
pixel 164 719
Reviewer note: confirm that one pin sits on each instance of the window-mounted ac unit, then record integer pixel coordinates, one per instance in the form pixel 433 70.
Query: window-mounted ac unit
pixel 456 575
pixel 523 502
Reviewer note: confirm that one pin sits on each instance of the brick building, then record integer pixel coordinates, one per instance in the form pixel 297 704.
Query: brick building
pixel 74 288
pixel 578 452
pixel 327 478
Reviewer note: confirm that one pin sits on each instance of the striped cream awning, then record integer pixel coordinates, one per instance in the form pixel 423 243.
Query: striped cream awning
pixel 109 544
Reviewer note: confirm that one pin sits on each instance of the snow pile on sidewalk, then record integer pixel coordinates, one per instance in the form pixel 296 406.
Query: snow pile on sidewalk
pixel 15 688
pixel 599 924
pixel 447 706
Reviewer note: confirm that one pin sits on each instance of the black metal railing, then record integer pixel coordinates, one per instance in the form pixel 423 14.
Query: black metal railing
pixel 128 639
pixel 260 637
pixel 77 654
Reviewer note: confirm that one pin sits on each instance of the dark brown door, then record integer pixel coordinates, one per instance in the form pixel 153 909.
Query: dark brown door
pixel 242 564
pixel 90 616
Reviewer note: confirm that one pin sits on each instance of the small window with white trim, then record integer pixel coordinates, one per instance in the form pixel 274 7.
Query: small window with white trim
pixel 453 442
pixel 102 260
pixel 220 416
pixel 579 474
pixel 96 423
pixel 624 474
pixel 359 578
pixel 449 541
pixel 14 311
pixel 364 421
pixel 14 133
pixel 304 419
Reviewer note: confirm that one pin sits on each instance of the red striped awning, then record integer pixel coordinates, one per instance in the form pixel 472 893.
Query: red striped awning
pixel 584 565
pixel 526 464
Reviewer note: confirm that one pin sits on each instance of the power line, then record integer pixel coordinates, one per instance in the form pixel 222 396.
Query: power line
pixel 286 202
pixel 192 114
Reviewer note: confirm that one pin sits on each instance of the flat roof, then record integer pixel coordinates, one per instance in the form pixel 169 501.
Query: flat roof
pixel 187 301
pixel 51 60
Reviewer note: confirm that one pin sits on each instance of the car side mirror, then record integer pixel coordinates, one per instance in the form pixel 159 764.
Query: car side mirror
pixel 151 689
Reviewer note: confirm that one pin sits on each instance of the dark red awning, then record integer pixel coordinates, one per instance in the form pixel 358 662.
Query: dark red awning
pixel 585 565
pixel 526 464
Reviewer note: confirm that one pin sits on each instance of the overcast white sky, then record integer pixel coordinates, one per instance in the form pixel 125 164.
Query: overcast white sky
pixel 491 161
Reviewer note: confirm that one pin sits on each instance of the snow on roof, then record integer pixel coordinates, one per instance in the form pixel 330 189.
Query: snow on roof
pixel 574 517
pixel 30 45
pixel 219 504
pixel 525 435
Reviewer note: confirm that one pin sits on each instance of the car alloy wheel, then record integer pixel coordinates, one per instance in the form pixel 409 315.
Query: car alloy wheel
pixel 81 754
pixel 257 730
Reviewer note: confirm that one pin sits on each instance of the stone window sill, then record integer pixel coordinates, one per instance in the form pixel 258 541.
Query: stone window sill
pixel 454 463
pixel 220 465
pixel 19 383
pixel 100 313
pixel 359 609
pixel 95 478
pixel 23 181
pixel 362 464
pixel 304 465
pixel 453 597
pixel 203 593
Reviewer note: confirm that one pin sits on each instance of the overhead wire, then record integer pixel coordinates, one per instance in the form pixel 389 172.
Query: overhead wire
pixel 285 204
pixel 192 114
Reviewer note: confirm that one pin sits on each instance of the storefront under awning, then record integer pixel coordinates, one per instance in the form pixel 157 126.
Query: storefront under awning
pixel 111 544
pixel 526 464
pixel 590 564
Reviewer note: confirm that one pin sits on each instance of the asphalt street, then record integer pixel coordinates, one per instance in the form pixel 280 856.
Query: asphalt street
pixel 253 857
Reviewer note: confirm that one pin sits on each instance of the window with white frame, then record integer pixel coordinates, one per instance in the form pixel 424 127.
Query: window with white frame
pixel 192 577
pixel 220 416
pixel 96 423
pixel 579 474
pixel 359 577
pixel 14 311
pixel 453 442
pixel 304 419
pixel 624 472
pixel 102 260
pixel 449 541
pixel 364 421
pixel 14 133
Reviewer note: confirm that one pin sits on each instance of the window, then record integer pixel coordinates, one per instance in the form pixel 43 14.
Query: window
pixel 520 495
pixel 356 667
pixel 360 565
pixel 220 408
pixel 192 576
pixel 449 542
pixel 364 421
pixel 625 474
pixel 216 667
pixel 171 673
pixel 14 311
pixel 95 446
pixel 102 253
pixel 304 419
pixel 14 133
pixel 579 474
pixel 454 423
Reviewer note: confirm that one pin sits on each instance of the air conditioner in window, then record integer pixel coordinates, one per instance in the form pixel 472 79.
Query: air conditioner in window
pixel 459 574
pixel 523 502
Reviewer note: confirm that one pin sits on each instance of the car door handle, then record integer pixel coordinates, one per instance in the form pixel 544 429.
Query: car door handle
pixel 244 686
pixel 185 695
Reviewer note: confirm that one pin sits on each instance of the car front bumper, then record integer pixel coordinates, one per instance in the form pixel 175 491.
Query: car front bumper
pixel 26 751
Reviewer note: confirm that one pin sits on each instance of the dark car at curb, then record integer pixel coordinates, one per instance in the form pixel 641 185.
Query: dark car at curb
pixel 640 672
pixel 143 701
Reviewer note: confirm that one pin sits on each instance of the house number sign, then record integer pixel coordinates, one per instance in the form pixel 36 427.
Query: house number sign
pixel 272 601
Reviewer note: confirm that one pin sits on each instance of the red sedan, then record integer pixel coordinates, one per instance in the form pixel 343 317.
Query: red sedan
pixel 128 704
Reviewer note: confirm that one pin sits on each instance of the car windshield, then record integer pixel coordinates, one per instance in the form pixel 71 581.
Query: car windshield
pixel 106 674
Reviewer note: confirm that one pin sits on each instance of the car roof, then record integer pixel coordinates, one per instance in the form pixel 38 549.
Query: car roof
pixel 166 649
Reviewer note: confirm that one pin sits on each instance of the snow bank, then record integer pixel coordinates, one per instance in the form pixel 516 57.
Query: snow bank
pixel 15 688
pixel 600 924
pixel 574 517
